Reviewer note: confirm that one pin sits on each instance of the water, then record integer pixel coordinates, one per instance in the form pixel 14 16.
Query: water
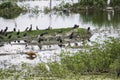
pixel 102 24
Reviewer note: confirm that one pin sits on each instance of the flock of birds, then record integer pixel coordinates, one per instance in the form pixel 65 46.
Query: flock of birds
pixel 5 33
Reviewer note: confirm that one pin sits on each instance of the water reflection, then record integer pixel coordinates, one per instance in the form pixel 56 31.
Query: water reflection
pixel 101 19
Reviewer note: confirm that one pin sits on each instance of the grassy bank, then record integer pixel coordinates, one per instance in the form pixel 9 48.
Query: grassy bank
pixel 47 34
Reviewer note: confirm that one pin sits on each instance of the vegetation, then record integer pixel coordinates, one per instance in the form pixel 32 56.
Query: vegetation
pixel 87 5
pixel 101 58
pixel 49 33
pixel 10 10
pixel 98 62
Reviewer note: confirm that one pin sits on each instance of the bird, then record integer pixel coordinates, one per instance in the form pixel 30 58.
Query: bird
pixel 18 32
pixel 25 34
pixel 9 37
pixel 88 29
pixel 88 40
pixel 76 26
pixel 26 29
pixel 71 35
pixel 25 41
pixel 18 41
pixel 61 45
pixel 5 34
pixel 31 54
pixel 43 33
pixel 14 29
pixel 37 28
pixel 5 30
pixel 59 39
pixel 1 32
pixel 40 39
pixel 76 44
pixel 30 28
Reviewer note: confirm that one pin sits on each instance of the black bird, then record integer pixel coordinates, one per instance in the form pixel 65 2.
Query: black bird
pixel 25 41
pixel 1 32
pixel 61 45
pixel 76 44
pixel 71 35
pixel 76 26
pixel 9 37
pixel 30 28
pixel 26 29
pixel 37 28
pixel 15 41
pixel 40 39
pixel 59 39
pixel 88 29
pixel 6 34
pixel 43 33
pixel 18 41
pixel 88 40
pixel 6 29
pixel 18 32
pixel 14 29
pixel 25 34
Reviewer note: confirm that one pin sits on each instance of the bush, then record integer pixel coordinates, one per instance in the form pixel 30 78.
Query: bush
pixel 97 59
pixel 10 10
pixel 58 70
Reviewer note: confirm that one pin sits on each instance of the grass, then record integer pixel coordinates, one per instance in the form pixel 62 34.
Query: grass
pixel 30 75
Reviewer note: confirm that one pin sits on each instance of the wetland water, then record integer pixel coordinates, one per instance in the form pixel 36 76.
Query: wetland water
pixel 102 24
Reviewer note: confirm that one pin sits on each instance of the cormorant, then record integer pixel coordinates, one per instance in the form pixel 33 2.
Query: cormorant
pixel 25 34
pixel 14 29
pixel 37 28
pixel 26 29
pixel 30 28
pixel 43 33
pixel 18 32
pixel 9 37
pixel 6 29
pixel 76 26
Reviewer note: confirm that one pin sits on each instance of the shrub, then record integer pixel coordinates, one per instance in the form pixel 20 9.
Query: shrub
pixel 10 10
